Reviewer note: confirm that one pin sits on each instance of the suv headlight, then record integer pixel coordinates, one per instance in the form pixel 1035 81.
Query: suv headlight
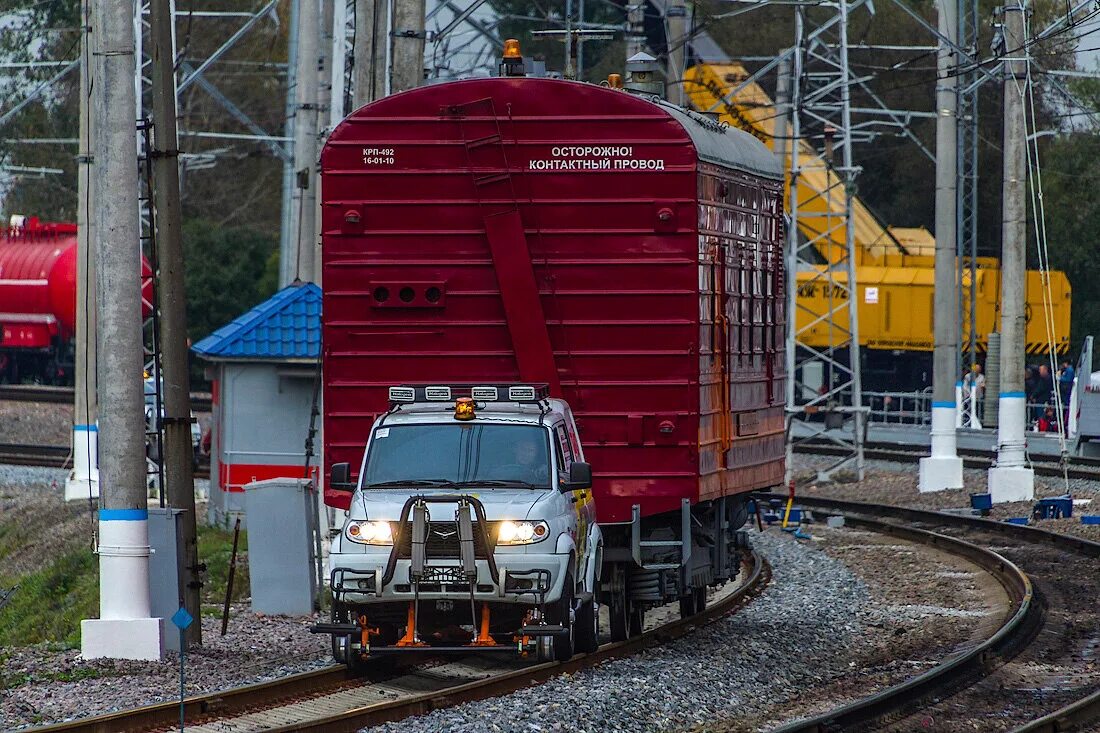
pixel 522 533
pixel 369 533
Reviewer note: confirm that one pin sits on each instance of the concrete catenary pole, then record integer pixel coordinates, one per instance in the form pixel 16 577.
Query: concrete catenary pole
pixel 635 28
pixel 305 139
pixel 83 482
pixel 943 469
pixel 288 242
pixel 370 17
pixel 408 45
pixel 383 46
pixel 179 451
pixel 676 38
pixel 327 71
pixel 125 629
pixel 1010 479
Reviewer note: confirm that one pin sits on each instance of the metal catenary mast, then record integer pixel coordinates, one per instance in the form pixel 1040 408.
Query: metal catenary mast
pixel 824 393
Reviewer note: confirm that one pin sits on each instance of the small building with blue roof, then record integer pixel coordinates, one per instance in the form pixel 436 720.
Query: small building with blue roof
pixel 264 370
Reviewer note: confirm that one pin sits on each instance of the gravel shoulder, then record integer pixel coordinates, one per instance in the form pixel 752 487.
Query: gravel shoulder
pixel 40 685
pixel 49 682
pixel 846 611
pixel 47 423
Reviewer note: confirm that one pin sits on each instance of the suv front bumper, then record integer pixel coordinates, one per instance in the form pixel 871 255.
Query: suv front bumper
pixel 526 579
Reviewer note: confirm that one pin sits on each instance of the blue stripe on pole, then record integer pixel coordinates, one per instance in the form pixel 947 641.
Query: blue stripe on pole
pixel 86 428
pixel 1012 395
pixel 950 404
pixel 123 515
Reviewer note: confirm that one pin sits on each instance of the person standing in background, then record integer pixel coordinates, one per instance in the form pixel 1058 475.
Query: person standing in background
pixel 1044 389
pixel 1065 381
pixel 974 387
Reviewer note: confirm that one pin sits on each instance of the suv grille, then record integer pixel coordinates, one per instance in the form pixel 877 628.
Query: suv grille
pixel 443 540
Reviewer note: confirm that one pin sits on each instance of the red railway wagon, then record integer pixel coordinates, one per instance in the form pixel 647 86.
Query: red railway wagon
pixel 37 300
pixel 623 250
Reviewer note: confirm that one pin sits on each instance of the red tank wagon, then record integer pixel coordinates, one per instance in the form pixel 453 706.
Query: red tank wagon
pixel 38 300
pixel 624 251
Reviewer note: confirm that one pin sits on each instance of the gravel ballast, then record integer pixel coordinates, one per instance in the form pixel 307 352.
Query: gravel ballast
pixel 805 632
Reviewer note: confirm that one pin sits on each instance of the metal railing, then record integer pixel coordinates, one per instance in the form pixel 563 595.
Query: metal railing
pixel 899 408
pixel 915 408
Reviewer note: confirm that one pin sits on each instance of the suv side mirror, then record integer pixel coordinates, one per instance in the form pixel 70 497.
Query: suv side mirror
pixel 580 477
pixel 340 478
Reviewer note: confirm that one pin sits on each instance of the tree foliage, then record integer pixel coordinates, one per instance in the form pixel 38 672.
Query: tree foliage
pixel 229 270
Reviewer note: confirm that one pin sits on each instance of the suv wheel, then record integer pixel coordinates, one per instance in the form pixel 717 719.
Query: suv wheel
pixel 564 644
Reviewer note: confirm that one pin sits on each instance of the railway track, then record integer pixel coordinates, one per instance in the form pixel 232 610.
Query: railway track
pixel 1041 632
pixel 200 402
pixel 330 700
pixel 1077 467
pixel 58 456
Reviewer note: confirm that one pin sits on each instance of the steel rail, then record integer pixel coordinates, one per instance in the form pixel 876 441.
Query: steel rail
pixel 269 694
pixel 59 456
pixel 961 670
pixel 1035 535
pixel 911 693
pixel 200 402
pixel 1076 467
pixel 224 702
pixel 1072 717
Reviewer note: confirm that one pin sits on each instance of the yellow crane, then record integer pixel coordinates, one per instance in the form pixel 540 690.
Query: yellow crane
pixel 893 264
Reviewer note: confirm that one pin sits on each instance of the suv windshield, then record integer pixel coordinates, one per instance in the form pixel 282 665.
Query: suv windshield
pixel 459 453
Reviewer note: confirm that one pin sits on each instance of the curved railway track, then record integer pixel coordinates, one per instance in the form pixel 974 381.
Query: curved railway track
pixel 1031 625
pixel 330 700
pixel 1077 467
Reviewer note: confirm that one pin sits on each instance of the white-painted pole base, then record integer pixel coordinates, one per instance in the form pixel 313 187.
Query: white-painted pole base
pixel 1012 483
pixel 1011 479
pixel 83 481
pixel 124 629
pixel 943 469
pixel 131 638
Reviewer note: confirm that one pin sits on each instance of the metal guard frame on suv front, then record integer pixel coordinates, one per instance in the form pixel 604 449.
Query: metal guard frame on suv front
pixel 337 586
pixel 403 525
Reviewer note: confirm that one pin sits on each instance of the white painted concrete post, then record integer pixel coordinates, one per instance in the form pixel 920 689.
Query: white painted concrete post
pixel 83 481
pixel 124 629
pixel 943 469
pixel 1011 479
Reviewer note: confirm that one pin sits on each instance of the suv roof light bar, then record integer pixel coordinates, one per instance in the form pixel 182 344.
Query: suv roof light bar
pixel 522 393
